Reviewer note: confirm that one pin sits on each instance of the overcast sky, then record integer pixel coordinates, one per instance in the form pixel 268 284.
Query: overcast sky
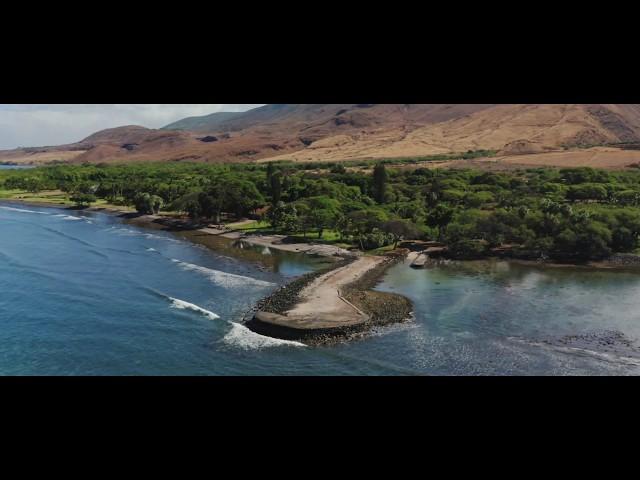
pixel 45 125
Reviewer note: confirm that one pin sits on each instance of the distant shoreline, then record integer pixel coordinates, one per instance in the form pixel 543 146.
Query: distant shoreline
pixel 618 261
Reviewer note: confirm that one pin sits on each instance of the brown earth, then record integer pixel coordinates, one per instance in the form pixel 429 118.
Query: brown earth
pixel 597 157
pixel 336 132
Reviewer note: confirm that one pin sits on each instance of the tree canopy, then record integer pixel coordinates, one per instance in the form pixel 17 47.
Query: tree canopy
pixel 574 213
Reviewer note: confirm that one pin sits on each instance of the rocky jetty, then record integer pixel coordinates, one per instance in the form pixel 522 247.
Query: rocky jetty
pixel 333 305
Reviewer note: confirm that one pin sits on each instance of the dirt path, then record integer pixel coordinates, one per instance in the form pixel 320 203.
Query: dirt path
pixel 275 242
pixel 321 304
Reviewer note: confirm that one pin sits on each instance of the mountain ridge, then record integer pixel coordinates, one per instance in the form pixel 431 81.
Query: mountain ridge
pixel 335 132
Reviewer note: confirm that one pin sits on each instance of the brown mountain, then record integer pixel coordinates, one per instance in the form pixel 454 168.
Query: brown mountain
pixel 310 132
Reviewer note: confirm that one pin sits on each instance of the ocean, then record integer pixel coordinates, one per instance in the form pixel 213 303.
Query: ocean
pixel 83 293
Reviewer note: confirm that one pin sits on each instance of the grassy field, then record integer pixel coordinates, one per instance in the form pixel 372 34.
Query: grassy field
pixel 249 227
pixel 329 237
pixel 53 197
pixel 57 197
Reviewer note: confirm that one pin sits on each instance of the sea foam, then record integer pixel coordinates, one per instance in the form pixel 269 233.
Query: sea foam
pixel 182 305
pixel 22 210
pixel 223 279
pixel 241 337
pixel 69 217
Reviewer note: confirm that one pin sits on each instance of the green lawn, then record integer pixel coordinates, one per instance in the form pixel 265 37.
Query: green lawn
pixel 9 193
pixel 330 237
pixel 255 225
pixel 380 251
pixel 264 227
pixel 52 197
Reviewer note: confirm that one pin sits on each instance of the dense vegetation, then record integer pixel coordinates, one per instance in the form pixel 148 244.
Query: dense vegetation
pixel 569 214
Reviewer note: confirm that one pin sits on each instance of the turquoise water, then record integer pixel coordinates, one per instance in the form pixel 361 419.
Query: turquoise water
pixel 85 294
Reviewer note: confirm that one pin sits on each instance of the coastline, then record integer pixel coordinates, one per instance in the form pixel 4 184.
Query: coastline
pixel 162 222
pixel 64 206
pixel 343 306
pixel 316 308
pixel 617 261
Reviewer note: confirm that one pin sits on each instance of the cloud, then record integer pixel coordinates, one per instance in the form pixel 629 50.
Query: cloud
pixel 57 124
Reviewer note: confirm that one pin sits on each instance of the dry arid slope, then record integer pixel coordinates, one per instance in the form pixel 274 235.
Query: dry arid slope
pixel 334 132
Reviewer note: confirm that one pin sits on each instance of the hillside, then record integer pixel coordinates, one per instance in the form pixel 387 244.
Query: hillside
pixel 204 123
pixel 335 132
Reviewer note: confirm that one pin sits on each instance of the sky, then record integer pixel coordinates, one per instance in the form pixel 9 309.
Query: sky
pixel 32 125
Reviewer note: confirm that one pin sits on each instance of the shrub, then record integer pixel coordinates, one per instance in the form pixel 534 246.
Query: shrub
pixel 587 191
pixel 375 239
pixel 627 197
pixel 83 199
pixel 468 249
pixel 478 199
pixel 148 204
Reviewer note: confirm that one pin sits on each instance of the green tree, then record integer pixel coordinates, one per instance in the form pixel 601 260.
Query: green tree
pixel 323 213
pixel 276 189
pixel 148 204
pixel 440 217
pixel 468 249
pixel 627 197
pixel 285 217
pixel 271 170
pixel 400 230
pixel 360 223
pixel 380 180
pixel 33 184
pixel 587 191
pixel 83 200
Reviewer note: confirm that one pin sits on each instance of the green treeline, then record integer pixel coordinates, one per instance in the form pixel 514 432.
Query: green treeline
pixel 569 214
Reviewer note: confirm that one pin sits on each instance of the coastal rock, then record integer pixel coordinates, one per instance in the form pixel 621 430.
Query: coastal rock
pixel 625 259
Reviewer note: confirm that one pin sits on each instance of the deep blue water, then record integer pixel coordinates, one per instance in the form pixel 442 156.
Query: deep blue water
pixel 85 294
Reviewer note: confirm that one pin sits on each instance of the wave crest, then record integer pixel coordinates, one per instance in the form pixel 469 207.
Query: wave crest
pixel 68 217
pixel 4 207
pixel 223 279
pixel 182 305
pixel 241 337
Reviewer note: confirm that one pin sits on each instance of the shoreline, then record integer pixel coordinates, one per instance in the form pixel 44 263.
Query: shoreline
pixel 275 241
pixel 340 310
pixel 617 261
pixel 64 206
pixel 331 305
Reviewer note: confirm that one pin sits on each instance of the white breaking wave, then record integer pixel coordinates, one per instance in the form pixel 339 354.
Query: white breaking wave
pixel 22 210
pixel 182 305
pixel 240 336
pixel 68 217
pixel 222 278
pixel 151 249
pixel 127 232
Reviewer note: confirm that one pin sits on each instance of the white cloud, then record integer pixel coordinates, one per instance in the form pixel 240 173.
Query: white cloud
pixel 57 124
